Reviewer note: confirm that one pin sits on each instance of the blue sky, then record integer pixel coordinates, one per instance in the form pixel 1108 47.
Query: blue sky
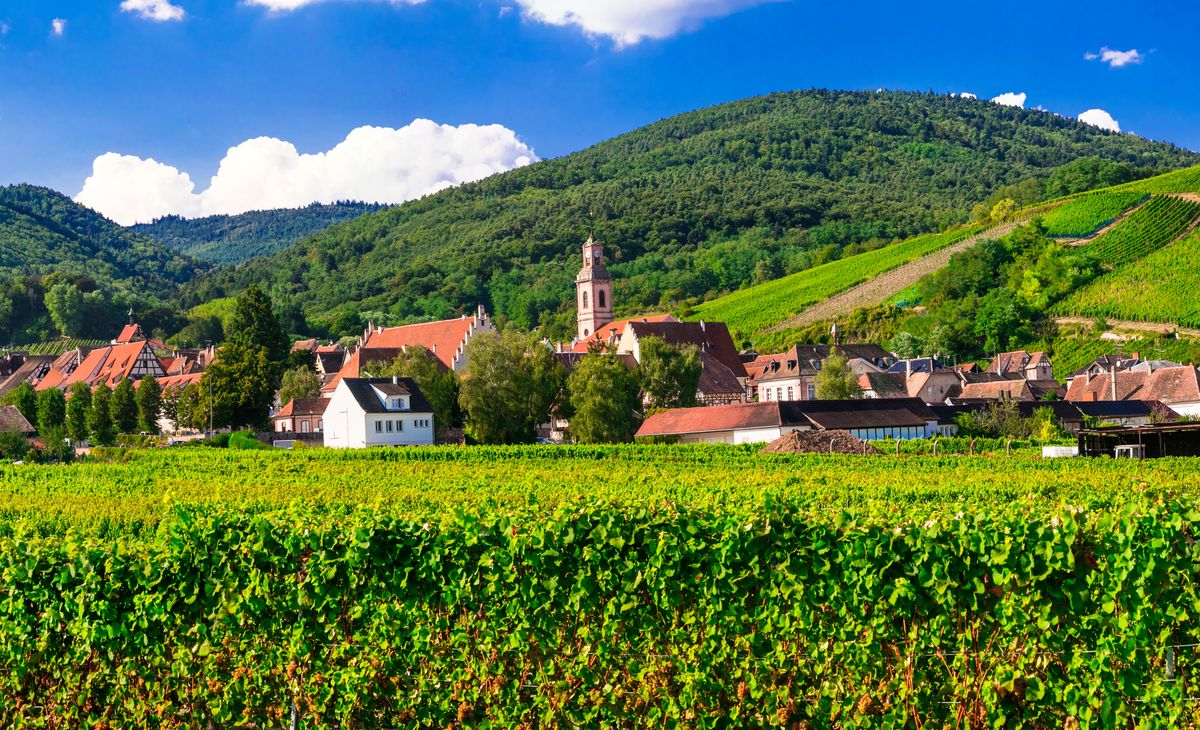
pixel 180 82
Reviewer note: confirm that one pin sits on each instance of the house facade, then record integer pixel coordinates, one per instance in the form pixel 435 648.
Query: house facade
pixel 303 415
pixel 365 412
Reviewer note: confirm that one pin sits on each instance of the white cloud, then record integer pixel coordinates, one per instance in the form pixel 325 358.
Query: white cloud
pixel 1116 59
pixel 374 164
pixel 4 28
pixel 965 95
pixel 285 6
pixel 1011 99
pixel 58 27
pixel 160 10
pixel 1100 118
pixel 630 21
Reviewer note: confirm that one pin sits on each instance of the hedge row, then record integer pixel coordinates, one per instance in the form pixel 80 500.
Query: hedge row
pixel 600 614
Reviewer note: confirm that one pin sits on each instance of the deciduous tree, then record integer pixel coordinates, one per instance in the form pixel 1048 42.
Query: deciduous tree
pixel 511 382
pixel 149 404
pixel 78 406
pixel 669 375
pixel 100 421
pixel 51 410
pixel 124 407
pixel 835 379
pixel 604 397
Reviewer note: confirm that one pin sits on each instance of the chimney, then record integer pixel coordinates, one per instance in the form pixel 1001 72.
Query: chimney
pixel 1113 380
pixel 395 380
pixel 907 369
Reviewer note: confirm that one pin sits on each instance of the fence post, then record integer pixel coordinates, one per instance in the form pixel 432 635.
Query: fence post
pixel 971 448
pixel 1008 447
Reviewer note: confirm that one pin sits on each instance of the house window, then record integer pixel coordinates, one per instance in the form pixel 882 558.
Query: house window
pixel 379 427
pixel 399 425
pixel 389 426
pixel 812 392
pixel 304 426
pixel 320 425
pixel 600 298
pixel 585 300
pixel 779 393
pixel 791 395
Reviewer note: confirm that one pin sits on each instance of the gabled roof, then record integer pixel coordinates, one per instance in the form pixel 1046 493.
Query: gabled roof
pixel 1017 361
pixel 108 365
pixel 716 377
pixel 444 338
pixel 710 337
pixel 130 333
pixel 364 392
pixel 303 407
pixel 884 385
pixel 915 365
pixel 30 366
pixel 614 330
pixel 12 421
pixel 804 360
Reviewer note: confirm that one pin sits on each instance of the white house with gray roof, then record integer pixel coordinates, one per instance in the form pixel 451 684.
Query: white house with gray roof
pixel 378 412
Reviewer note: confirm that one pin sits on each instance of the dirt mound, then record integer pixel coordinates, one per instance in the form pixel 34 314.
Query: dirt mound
pixel 819 442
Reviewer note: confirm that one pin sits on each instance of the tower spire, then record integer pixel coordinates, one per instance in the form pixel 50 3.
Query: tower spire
pixel 593 291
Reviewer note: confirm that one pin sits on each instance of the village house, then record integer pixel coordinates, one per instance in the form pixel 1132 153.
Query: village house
pixel 365 412
pixel 870 420
pixel 301 415
pixel 1177 387
pixel 1026 365
pixel 446 339
pixel 792 375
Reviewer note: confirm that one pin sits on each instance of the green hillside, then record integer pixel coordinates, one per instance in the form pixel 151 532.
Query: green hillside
pixel 46 238
pixel 688 207
pixel 232 239
pixel 1005 294
pixel 755 308
pixel 1161 287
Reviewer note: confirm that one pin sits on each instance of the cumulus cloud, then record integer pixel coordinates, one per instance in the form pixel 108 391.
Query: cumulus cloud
pixel 965 95
pixel 628 22
pixel 284 6
pixel 1099 118
pixel 159 10
pixel 374 164
pixel 58 27
pixel 1116 59
pixel 1011 99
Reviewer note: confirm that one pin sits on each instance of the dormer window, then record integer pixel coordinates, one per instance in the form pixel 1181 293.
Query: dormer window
pixel 397 404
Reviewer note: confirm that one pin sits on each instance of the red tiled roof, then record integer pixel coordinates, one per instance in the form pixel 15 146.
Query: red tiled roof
pixel 1168 385
pixel 104 364
pixel 614 330
pixel 303 407
pixel 885 385
pixel 998 389
pixel 130 333
pixel 717 379
pixel 712 418
pixel 179 382
pixel 442 338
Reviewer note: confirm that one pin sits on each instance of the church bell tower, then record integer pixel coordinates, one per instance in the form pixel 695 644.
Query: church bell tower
pixel 593 291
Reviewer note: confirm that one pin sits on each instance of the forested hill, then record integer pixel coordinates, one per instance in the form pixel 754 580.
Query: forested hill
pixel 42 231
pixel 47 239
pixel 232 239
pixel 692 205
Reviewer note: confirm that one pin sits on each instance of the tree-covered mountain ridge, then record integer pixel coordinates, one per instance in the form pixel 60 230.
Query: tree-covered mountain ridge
pixel 688 207
pixel 232 239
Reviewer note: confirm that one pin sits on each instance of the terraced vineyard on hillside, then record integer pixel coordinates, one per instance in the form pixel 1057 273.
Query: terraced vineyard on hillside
pixel 1087 214
pixel 1161 287
pixel 754 309
pixel 1160 221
